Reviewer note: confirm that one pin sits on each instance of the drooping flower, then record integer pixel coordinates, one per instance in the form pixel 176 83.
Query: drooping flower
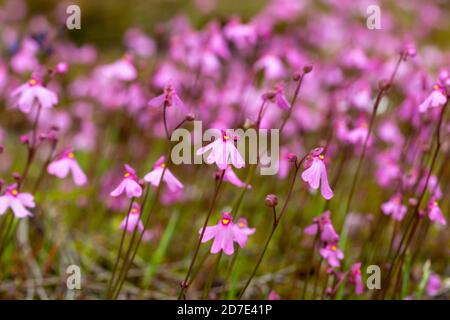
pixel 168 98
pixel 64 163
pixel 154 176
pixel 355 278
pixel 31 94
pixel 332 254
pixel 134 219
pixel 394 207
pixel 232 178
pixel 223 152
pixel 435 213
pixel 225 233
pixel 129 184
pixel 17 201
pixel 325 227
pixel 437 98
pixel 280 98
pixel 315 173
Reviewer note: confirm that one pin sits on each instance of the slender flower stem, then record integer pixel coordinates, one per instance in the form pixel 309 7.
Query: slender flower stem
pixel 44 166
pixel 401 251
pixel 383 90
pixel 211 276
pixel 133 247
pixel 363 153
pixel 294 98
pixel 31 147
pixel 166 127
pixel 122 241
pixel 316 279
pixel 311 259
pixel 185 284
pixel 274 227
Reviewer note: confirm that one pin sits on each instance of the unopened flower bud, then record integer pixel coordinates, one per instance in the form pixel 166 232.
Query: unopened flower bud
pixel 24 139
pixel 16 176
pixel 1 148
pixel 270 95
pixel 292 157
pixel 190 117
pixel 297 75
pixel 412 201
pixel 308 68
pixel 271 200
pixel 62 67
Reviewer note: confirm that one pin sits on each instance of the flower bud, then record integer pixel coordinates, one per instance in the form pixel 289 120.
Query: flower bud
pixel 292 157
pixel 24 139
pixel 16 176
pixel 307 69
pixel 190 117
pixel 271 200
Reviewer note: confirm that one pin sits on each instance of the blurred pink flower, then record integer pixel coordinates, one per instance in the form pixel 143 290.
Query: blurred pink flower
pixel 355 278
pixel 64 163
pixel 30 94
pixel 168 98
pixel 154 176
pixel 394 207
pixel 326 230
pixel 134 219
pixel 17 201
pixel 232 178
pixel 315 173
pixel 223 152
pixel 280 98
pixel 129 184
pixel 435 213
pixel 225 233
pixel 434 285
pixel 332 254
pixel 273 296
pixel 436 99
pixel 243 226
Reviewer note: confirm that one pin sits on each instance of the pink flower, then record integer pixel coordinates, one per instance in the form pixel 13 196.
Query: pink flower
pixel 355 278
pixel 323 224
pixel 134 219
pixel 223 152
pixel 394 207
pixel 129 184
pixel 316 173
pixel 280 98
pixel 64 163
pixel 168 98
pixel 232 178
pixel 273 295
pixel 333 254
pixel 18 202
pixel 435 213
pixel 31 94
pixel 154 176
pixel 271 65
pixel 243 227
pixel 225 233
pixel 436 99
pixel 434 285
